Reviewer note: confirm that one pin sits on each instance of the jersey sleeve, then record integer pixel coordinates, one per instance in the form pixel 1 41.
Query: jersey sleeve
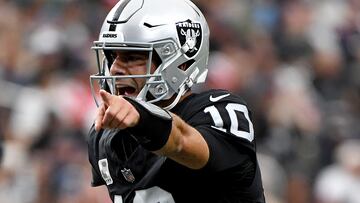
pixel 224 153
pixel 96 179
pixel 227 128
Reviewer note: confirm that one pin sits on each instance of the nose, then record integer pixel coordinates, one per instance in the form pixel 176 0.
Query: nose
pixel 118 68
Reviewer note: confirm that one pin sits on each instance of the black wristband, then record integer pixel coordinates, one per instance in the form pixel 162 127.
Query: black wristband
pixel 154 127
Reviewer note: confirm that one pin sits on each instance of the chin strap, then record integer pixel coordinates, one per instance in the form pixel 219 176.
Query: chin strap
pixel 183 88
pixel 177 99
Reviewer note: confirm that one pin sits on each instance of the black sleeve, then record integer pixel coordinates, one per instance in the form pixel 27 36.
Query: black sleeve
pixel 92 141
pixel 227 128
pixel 96 179
pixel 225 123
pixel 223 155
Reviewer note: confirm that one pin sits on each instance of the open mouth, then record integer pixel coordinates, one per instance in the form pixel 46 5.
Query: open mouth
pixel 125 90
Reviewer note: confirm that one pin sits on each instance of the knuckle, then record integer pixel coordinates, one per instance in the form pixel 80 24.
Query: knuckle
pixel 129 123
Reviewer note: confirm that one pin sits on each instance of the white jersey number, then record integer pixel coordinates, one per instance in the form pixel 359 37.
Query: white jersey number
pixel 231 109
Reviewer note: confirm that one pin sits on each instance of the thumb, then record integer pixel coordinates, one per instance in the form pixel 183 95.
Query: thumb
pixel 99 117
pixel 106 97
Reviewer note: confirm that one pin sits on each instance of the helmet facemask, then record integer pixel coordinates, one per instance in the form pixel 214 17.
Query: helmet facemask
pixel 108 82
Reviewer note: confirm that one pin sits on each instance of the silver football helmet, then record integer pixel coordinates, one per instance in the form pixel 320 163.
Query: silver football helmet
pixel 174 30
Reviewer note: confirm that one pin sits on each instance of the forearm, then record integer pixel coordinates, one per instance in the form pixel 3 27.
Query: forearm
pixel 167 135
pixel 185 145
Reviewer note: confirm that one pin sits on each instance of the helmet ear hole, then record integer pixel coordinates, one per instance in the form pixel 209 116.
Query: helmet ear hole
pixel 184 66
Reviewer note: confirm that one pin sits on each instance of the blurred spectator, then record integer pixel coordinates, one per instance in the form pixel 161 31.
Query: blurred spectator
pixel 274 179
pixel 340 182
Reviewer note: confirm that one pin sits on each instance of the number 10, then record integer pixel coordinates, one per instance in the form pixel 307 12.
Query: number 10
pixel 231 108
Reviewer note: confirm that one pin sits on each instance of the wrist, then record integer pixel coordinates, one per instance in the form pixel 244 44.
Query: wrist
pixel 154 126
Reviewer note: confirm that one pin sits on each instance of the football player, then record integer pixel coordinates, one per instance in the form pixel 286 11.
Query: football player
pixel 153 140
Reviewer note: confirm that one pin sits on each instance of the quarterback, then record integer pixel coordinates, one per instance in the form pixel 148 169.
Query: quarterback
pixel 153 139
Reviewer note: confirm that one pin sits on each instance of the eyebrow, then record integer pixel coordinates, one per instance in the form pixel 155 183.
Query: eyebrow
pixel 144 53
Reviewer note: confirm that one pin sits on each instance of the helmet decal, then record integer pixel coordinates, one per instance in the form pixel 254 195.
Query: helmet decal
pixel 190 36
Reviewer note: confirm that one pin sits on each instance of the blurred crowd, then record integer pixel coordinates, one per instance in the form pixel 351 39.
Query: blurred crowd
pixel 296 63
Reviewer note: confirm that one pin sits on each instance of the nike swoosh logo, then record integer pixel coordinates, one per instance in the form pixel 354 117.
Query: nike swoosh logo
pixel 215 99
pixel 152 26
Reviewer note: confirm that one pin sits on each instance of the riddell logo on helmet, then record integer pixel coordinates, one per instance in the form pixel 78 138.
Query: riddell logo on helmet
pixel 110 35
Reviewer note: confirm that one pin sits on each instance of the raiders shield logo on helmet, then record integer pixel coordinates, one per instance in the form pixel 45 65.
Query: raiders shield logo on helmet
pixel 190 35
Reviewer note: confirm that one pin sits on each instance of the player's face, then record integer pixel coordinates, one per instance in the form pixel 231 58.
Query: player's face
pixel 130 63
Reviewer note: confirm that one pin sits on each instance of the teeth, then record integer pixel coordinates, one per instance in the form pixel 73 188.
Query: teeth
pixel 120 86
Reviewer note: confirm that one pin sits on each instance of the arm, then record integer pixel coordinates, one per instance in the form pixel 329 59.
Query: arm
pixel 184 144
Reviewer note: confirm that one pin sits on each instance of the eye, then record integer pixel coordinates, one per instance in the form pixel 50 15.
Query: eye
pixel 134 58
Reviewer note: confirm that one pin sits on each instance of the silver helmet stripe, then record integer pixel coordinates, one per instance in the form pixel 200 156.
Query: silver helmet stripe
pixel 122 5
pixel 120 9
pixel 117 14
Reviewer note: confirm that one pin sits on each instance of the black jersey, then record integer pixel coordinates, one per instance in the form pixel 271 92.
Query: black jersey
pixel 133 174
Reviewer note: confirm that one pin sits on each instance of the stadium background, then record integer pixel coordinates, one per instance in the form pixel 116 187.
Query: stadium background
pixel 296 62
